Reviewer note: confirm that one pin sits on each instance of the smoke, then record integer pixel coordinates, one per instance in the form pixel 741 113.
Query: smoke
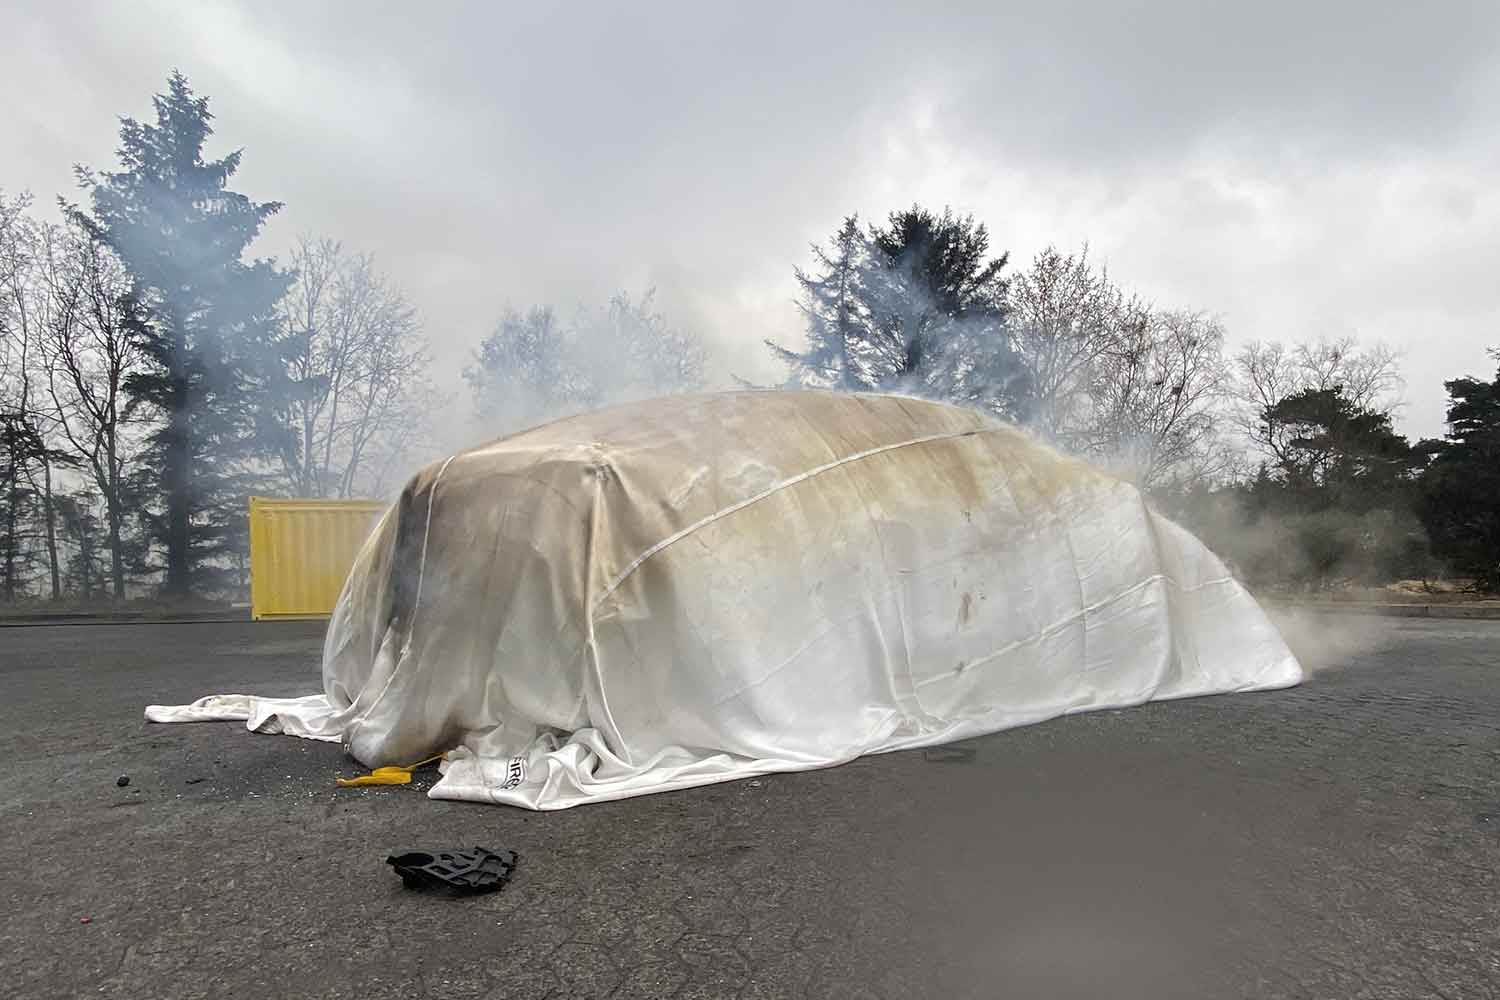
pixel 1277 548
pixel 537 366
pixel 1324 642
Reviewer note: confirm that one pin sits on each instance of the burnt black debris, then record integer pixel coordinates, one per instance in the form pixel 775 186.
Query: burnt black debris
pixel 948 755
pixel 455 872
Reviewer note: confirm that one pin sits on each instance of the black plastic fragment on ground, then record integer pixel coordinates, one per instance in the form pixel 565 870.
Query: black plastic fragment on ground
pixel 948 755
pixel 455 872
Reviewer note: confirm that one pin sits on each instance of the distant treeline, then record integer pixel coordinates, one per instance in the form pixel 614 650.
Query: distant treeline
pixel 153 375
pixel 1283 457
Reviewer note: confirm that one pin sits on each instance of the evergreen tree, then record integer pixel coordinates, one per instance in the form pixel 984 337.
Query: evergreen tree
pixel 1341 455
pixel 206 323
pixel 1461 489
pixel 1337 505
pixel 938 310
pixel 913 306
pixel 836 317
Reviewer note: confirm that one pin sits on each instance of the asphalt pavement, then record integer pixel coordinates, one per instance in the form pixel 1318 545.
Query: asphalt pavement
pixel 1336 840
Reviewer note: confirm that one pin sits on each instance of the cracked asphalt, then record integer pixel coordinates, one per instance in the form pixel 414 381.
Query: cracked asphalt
pixel 1336 840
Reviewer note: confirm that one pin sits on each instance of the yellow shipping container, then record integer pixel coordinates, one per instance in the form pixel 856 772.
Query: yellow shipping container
pixel 301 551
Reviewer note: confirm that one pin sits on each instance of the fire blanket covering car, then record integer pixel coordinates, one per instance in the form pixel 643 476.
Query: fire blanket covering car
pixel 708 587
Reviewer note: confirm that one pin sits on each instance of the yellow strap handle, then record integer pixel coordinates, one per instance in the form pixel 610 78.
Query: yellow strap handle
pixel 392 775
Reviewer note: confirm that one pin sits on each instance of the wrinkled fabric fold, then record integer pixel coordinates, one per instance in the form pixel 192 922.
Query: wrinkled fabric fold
pixel 310 717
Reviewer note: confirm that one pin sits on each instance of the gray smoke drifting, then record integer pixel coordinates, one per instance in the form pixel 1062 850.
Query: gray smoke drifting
pixel 538 366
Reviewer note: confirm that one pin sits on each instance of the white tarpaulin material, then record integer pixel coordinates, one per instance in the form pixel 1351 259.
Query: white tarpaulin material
pixel 707 587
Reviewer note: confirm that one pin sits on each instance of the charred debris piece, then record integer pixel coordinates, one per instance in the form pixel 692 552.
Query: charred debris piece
pixel 455 872
pixel 948 755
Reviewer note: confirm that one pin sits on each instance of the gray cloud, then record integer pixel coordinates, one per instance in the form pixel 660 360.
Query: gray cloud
pixel 1298 168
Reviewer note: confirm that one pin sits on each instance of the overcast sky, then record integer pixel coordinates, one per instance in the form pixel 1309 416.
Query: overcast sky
pixel 1299 169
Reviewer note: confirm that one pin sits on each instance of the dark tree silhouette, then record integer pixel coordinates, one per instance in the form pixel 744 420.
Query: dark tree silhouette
pixel 1461 490
pixel 916 305
pixel 1339 454
pixel 205 321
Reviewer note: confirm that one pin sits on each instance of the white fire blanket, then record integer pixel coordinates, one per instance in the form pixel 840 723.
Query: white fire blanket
pixel 702 588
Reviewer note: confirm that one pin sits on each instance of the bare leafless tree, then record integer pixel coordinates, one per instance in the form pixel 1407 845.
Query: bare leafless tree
pixel 23 423
pixel 1267 372
pixel 1107 376
pixel 1067 319
pixel 359 365
pixel 411 437
pixel 1156 393
pixel 13 364
pixel 88 354
pixel 628 350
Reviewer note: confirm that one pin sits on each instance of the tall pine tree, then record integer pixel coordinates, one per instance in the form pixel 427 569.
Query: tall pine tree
pixel 913 306
pixel 836 317
pixel 938 306
pixel 206 323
